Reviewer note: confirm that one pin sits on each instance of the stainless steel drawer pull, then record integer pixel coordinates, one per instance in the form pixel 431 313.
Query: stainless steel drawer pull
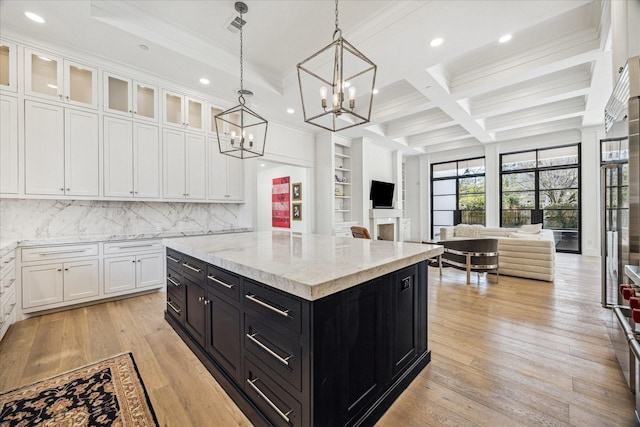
pixel 266 399
pixel 69 251
pixel 132 246
pixel 170 258
pixel 176 284
pixel 170 304
pixel 197 270
pixel 253 298
pixel 220 282
pixel 284 361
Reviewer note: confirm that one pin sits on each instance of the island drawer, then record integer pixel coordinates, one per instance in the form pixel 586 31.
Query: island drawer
pixel 273 401
pixel 272 307
pixel 223 283
pixel 46 253
pixel 279 354
pixel 175 309
pixel 175 287
pixel 194 268
pixel 174 259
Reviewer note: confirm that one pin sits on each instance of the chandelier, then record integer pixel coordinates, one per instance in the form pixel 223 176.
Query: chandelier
pixel 330 80
pixel 241 132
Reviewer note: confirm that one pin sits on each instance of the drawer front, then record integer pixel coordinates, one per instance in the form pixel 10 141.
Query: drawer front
pixel 272 307
pixel 128 246
pixel 47 253
pixel 279 354
pixel 175 309
pixel 272 400
pixel 223 283
pixel 175 287
pixel 194 268
pixel 174 259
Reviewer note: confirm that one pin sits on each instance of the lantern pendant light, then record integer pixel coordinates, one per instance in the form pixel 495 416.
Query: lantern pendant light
pixel 241 132
pixel 329 81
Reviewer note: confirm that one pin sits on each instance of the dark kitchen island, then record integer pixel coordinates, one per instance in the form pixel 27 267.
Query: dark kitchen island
pixel 301 329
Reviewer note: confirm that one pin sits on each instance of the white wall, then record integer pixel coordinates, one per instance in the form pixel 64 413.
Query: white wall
pixel 263 199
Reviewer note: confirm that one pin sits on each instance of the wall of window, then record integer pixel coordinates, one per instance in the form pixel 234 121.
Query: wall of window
pixel 457 194
pixel 543 186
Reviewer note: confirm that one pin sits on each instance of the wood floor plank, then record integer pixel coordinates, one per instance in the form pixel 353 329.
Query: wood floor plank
pixel 515 353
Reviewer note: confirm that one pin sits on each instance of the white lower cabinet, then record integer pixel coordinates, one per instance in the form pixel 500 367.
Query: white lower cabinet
pixel 7 290
pixel 45 284
pixel 125 273
pixel 56 276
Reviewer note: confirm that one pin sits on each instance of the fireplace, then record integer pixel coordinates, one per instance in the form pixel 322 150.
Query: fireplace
pixel 385 224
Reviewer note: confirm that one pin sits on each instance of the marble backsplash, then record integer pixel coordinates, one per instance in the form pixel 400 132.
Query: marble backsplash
pixel 25 219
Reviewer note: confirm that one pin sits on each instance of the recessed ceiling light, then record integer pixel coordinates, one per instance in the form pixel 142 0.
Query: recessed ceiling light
pixel 375 91
pixel 290 110
pixel 143 46
pixel 436 42
pixel 204 81
pixel 262 165
pixel 505 38
pixel 34 17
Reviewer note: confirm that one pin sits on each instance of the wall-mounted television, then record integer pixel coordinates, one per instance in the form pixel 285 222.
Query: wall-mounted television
pixel 381 194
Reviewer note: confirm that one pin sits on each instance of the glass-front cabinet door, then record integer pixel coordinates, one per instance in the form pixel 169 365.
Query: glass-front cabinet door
pixel 8 66
pixel 173 109
pixel 130 98
pixel 49 76
pixel 183 111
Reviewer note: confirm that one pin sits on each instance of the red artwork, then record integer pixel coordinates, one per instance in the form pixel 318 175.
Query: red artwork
pixel 280 203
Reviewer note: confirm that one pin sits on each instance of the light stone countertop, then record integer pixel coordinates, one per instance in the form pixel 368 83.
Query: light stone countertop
pixel 309 266
pixel 115 237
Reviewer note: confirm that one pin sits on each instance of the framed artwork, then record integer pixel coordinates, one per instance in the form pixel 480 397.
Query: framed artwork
pixel 280 202
pixel 296 190
pixel 297 212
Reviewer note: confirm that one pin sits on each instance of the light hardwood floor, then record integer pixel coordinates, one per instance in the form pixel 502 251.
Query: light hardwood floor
pixel 518 352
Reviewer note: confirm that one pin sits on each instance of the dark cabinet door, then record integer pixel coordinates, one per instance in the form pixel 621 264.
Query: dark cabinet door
pixel 403 319
pixel 350 361
pixel 194 310
pixel 224 335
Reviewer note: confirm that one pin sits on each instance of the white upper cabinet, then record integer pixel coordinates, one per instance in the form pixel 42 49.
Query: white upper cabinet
pixel 61 151
pixel 8 145
pixel 183 111
pixel 184 169
pixel 130 97
pixel 52 77
pixel 131 159
pixel 226 176
pixel 8 66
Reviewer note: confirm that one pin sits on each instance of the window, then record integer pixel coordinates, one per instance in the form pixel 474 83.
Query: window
pixel 543 186
pixel 457 194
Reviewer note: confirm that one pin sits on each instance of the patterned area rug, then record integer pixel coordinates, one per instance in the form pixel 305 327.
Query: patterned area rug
pixel 107 393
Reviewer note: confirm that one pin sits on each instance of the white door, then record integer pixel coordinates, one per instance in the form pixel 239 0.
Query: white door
pixel 8 145
pixel 235 179
pixel 81 279
pixel 81 153
pixel 43 75
pixel 173 171
pixel 118 157
pixel 149 270
pixel 194 114
pixel 196 167
pixel 80 84
pixel 145 101
pixel 119 274
pixel 42 285
pixel 44 148
pixel 217 172
pixel 173 109
pixel 146 158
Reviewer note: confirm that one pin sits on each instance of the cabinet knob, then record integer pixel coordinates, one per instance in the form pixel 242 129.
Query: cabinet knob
pixel 206 302
pixel 60 95
pixel 200 299
pixel 62 189
pixel 135 192
pixel 131 192
pixel 68 189
pixel 139 260
pixel 133 260
pixel 59 269
pixel 66 269
pixel 67 97
pixel 130 111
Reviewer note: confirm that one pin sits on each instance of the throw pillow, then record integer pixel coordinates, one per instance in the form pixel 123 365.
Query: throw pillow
pixel 530 228
pixel 529 236
pixel 467 230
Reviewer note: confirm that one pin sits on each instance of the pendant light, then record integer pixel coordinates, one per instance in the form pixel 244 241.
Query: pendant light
pixel 241 132
pixel 336 85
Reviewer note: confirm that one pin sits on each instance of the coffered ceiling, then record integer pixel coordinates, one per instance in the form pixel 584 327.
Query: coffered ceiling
pixel 553 75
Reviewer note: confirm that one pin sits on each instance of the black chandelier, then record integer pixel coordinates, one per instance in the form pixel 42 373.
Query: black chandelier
pixel 241 132
pixel 331 79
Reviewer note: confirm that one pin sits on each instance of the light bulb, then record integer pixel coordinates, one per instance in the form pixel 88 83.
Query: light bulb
pixel 352 97
pixel 323 96
pixel 336 100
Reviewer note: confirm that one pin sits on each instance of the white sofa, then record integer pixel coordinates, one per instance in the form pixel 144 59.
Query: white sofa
pixel 523 252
